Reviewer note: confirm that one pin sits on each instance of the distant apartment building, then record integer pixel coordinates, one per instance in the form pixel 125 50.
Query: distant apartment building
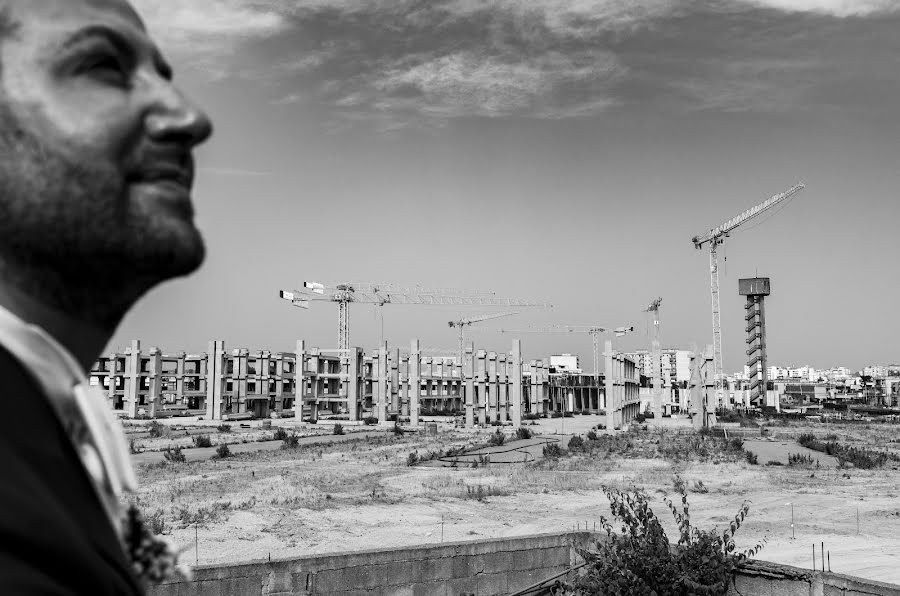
pixel 565 362
pixel 675 364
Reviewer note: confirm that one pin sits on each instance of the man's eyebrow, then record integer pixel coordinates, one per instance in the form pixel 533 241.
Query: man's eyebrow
pixel 122 43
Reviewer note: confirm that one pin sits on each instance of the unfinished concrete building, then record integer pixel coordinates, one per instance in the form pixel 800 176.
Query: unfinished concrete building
pixel 487 387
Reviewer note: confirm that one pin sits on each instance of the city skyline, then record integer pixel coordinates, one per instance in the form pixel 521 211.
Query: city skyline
pixel 560 152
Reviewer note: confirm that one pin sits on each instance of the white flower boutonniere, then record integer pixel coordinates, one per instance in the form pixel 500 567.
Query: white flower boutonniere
pixel 154 559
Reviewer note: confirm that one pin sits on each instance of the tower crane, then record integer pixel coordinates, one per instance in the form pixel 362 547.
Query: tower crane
pixel 593 330
pixel 714 238
pixel 461 324
pixel 656 359
pixel 380 294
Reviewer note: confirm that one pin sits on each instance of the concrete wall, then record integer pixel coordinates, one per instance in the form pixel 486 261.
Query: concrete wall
pixel 483 567
pixel 769 579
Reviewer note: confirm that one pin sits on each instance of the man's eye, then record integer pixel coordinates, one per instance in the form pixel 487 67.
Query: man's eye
pixel 106 67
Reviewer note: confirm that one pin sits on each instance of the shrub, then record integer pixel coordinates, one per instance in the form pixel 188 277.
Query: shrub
pixel 523 433
pixel 174 455
pixel 398 430
pixel 223 451
pixel 290 441
pixel 858 456
pixel 569 414
pixel 412 459
pixel 157 429
pixel 799 459
pixel 132 447
pixel 224 428
pixel 701 488
pixel 640 418
pixel 280 434
pixel 751 458
pixel 774 462
pixel 202 441
pixel 641 560
pixel 556 415
pixel 736 444
pixel 552 451
pixel 576 443
pixel 338 429
pixel 479 492
pixel 531 416
pixel 497 439
pixel 370 420
pixel 592 435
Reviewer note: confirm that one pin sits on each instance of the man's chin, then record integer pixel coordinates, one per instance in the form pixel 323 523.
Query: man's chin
pixel 175 256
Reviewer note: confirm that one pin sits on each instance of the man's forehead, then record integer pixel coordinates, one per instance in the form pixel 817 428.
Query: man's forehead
pixel 26 12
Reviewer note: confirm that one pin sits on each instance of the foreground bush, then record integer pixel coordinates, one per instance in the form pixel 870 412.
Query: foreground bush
pixel 202 441
pixel 224 428
pixel 523 433
pixel 860 457
pixel 280 434
pixel 174 455
pixel 157 429
pixel 338 429
pixel 497 439
pixel 222 451
pixel 641 560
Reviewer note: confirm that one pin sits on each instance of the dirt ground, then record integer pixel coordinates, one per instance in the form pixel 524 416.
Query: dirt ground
pixel 361 494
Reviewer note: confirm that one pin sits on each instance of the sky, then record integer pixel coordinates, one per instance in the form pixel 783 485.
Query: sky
pixel 560 151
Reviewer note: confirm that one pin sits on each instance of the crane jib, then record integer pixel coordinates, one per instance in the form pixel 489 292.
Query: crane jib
pixel 734 222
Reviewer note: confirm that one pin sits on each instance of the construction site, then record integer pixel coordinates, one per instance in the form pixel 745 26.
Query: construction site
pixel 413 470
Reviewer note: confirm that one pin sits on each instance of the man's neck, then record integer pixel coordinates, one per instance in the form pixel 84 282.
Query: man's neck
pixel 84 340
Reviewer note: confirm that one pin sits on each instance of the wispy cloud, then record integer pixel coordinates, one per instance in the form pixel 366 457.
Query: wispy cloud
pixel 401 62
pixel 208 25
pixel 837 8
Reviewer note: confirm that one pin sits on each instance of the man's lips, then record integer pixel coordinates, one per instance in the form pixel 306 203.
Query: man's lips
pixel 163 174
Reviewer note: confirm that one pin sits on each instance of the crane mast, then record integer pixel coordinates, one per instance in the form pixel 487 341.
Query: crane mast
pixel 714 238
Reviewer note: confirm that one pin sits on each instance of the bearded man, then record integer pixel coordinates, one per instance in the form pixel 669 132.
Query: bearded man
pixel 96 171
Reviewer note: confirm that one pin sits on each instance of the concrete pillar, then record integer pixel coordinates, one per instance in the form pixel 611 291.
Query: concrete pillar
pixel 313 371
pixel 609 387
pixel 382 382
pixel 154 372
pixel 179 378
pixel 492 387
pixel 215 379
pixel 516 372
pixel 395 381
pixel 481 387
pixel 299 378
pixel 239 380
pixel 468 378
pixel 414 383
pixel 502 393
pixel 354 377
pixel 132 380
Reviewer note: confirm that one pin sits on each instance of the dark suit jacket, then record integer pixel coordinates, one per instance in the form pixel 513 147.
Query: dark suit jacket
pixel 55 537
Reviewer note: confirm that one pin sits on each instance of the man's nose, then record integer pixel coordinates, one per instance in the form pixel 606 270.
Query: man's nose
pixel 175 118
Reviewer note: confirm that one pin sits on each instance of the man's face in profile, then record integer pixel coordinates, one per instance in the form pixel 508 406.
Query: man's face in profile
pixel 95 145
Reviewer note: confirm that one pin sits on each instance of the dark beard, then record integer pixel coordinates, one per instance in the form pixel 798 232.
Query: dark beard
pixel 71 236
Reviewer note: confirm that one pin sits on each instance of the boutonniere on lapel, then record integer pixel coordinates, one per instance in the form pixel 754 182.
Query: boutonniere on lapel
pixel 153 558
